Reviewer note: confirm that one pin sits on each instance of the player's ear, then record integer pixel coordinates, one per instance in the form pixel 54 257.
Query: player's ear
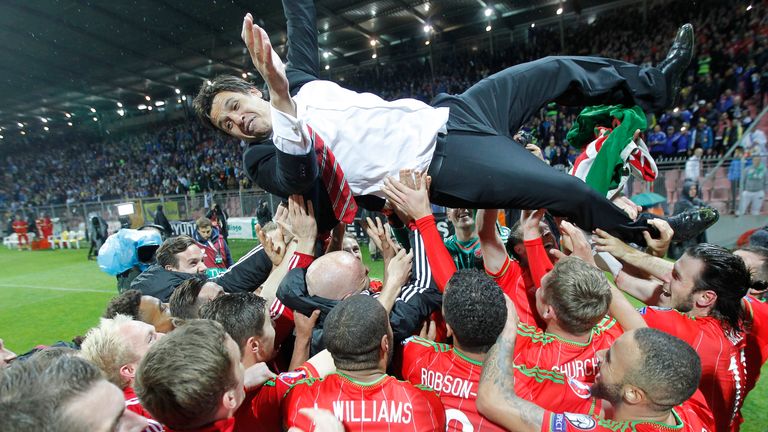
pixel 448 330
pixel 384 346
pixel 633 395
pixel 706 298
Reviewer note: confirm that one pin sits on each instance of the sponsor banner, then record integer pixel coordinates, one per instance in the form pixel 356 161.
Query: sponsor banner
pixel 242 228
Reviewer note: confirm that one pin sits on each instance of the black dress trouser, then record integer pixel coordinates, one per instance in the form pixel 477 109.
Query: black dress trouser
pixel 478 165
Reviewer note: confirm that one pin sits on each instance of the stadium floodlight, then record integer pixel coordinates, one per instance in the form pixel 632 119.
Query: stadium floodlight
pixel 326 54
pixel 119 104
pixel 488 12
pixel 373 42
pixel 67 115
pixel 178 100
pixel 121 112
pixel 183 97
pixel 559 11
pixel 245 75
pixel 44 120
pixel 142 107
pixel 93 109
pixel 21 125
pixel 125 209
pixel 159 103
pixel 208 82
pixel 749 8
pixel 327 67
pixel 488 28
pixel 427 28
pixel 426 43
pixel 95 119
pixel 177 91
pixel 69 123
pixel 374 56
pixel 149 107
pixel 426 7
pixel 45 128
pixel 1 137
pixel 533 25
pixel 147 98
pixel 23 133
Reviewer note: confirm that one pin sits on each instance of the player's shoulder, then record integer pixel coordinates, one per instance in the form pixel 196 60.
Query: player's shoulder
pixel 607 326
pixel 419 344
pixel 532 334
pixel 665 313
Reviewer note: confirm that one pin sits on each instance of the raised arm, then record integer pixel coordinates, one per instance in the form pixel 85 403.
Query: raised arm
pixel 415 204
pixel 655 266
pixel 494 253
pixel 496 398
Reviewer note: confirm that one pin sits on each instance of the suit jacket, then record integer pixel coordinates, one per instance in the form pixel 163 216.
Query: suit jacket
pixel 283 174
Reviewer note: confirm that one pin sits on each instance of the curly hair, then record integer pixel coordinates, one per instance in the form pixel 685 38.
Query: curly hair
pixel 473 305
pixel 126 303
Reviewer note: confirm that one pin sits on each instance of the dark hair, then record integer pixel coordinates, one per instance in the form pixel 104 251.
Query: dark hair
pixel 126 303
pixel 241 314
pixel 204 100
pixel 668 370
pixel 761 273
pixel 35 394
pixel 726 275
pixel 353 330
pixel 183 377
pixel 579 293
pixel 166 253
pixel 515 238
pixel 474 308
pixel 184 302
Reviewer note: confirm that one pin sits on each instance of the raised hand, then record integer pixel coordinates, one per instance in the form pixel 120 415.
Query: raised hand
pixel 268 64
pixel 605 242
pixel 399 269
pixel 531 223
pixel 257 375
pixel 414 203
pixel 276 253
pixel 302 219
pixel 379 234
pixel 659 247
pixel 579 244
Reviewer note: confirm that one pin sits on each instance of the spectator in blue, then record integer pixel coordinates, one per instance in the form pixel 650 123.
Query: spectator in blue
pixel 703 137
pixel 734 174
pixel 683 141
pixel 725 102
pixel 657 142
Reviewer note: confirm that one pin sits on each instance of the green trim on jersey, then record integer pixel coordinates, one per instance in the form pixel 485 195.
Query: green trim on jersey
pixel 632 425
pixel 541 375
pixel 538 335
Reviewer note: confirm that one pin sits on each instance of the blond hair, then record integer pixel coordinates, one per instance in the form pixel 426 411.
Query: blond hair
pixel 105 347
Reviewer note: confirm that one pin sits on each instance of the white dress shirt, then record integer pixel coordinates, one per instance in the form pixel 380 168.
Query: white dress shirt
pixel 370 137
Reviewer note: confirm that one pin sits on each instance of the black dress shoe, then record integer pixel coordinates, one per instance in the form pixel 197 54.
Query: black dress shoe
pixel 693 222
pixel 677 61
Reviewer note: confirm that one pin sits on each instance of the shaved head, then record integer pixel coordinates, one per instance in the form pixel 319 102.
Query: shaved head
pixel 336 276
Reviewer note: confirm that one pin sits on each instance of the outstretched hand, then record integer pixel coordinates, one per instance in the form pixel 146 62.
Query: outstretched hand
pixel 268 64
pixel 605 242
pixel 579 243
pixel 414 203
pixel 531 221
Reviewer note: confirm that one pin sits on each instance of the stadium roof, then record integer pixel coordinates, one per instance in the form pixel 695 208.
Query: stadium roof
pixel 65 56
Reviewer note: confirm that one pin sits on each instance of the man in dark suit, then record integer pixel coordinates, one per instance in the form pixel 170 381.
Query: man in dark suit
pixel 464 141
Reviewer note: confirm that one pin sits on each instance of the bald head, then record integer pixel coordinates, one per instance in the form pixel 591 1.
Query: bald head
pixel 336 276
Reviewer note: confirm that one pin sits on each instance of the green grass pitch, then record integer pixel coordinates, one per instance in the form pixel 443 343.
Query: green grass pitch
pixel 47 296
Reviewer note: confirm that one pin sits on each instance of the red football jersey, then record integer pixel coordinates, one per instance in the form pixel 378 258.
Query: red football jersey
pixel 554 391
pixel 724 377
pixel 757 339
pixel 132 403
pixel 535 348
pixel 383 405
pixel 262 411
pixel 691 416
pixel 453 376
